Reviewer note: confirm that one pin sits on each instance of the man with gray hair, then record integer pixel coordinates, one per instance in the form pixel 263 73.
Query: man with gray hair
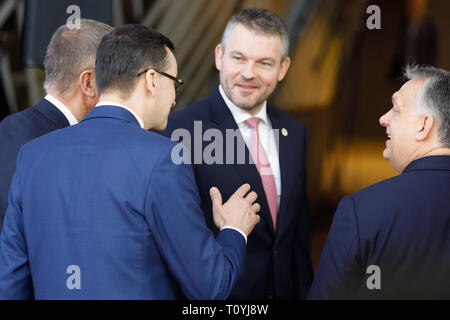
pixel 392 240
pixel 71 94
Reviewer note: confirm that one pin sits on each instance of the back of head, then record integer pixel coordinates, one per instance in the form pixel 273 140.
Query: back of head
pixel 125 52
pixel 261 21
pixel 434 97
pixel 70 52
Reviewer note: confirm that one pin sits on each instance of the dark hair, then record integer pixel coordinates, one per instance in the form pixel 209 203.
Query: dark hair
pixel 125 52
pixel 260 20
pixel 70 52
pixel 434 96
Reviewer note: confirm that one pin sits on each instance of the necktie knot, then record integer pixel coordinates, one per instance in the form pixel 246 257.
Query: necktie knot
pixel 253 122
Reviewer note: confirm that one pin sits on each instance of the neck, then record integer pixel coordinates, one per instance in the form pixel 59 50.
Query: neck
pixel 129 103
pixel 441 151
pixel 432 151
pixel 116 99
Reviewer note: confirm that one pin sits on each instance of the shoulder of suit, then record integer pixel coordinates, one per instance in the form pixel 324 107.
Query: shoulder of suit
pixel 380 191
pixel 149 142
pixel 289 119
pixel 22 120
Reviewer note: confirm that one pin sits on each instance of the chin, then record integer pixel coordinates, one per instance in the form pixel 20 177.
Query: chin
pixel 386 154
pixel 247 106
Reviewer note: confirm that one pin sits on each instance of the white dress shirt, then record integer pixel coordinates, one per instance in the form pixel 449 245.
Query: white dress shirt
pixel 115 104
pixel 61 107
pixel 266 135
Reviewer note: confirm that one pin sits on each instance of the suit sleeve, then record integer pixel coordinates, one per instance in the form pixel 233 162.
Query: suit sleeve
pixel 304 269
pixel 206 268
pixel 339 274
pixel 15 280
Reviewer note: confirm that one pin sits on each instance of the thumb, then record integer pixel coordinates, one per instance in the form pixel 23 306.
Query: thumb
pixel 216 197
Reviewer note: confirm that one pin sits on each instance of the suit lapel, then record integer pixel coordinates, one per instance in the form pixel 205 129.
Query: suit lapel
pixel 285 160
pixel 221 115
pixel 52 113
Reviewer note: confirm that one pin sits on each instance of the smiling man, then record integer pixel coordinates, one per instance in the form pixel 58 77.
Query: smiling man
pixel 252 58
pixel 392 240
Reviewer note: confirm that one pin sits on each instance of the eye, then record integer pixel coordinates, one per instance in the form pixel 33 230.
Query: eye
pixel 266 64
pixel 237 58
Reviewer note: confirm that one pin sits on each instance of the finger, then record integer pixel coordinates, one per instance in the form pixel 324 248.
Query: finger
pixel 216 197
pixel 256 207
pixel 242 191
pixel 255 218
pixel 251 197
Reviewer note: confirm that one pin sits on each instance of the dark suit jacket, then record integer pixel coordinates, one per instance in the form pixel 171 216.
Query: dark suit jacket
pixel 401 225
pixel 279 264
pixel 16 130
pixel 104 196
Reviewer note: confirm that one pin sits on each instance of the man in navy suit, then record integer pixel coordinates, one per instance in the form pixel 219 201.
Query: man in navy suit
pixel 100 210
pixel 268 151
pixel 392 240
pixel 71 93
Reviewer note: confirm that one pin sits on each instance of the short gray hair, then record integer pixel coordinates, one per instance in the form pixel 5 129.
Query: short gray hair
pixel 262 21
pixel 70 52
pixel 434 96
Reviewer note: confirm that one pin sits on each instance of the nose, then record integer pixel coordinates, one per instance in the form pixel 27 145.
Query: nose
pixel 248 70
pixel 384 119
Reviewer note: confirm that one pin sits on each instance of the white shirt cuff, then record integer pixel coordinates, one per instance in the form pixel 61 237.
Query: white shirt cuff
pixel 243 234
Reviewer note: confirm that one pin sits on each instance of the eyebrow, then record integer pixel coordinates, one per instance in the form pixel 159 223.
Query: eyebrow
pixel 395 100
pixel 262 59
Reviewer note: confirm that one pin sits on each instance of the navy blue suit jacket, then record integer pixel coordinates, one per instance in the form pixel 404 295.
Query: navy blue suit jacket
pixel 16 130
pixel 401 225
pixel 279 263
pixel 104 197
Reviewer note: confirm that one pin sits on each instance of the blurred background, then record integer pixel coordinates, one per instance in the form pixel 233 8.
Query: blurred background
pixel 340 82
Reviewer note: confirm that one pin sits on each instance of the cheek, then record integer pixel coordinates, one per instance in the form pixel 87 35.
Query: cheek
pixel 270 80
pixel 229 74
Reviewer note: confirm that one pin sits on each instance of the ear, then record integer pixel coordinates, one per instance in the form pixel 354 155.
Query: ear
pixel 151 82
pixel 426 124
pixel 284 68
pixel 219 56
pixel 87 83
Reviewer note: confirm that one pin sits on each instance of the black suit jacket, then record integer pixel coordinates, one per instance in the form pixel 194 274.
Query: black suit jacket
pixel 278 263
pixel 400 225
pixel 16 130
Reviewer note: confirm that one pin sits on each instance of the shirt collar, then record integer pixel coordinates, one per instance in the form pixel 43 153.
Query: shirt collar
pixel 61 107
pixel 239 114
pixel 115 104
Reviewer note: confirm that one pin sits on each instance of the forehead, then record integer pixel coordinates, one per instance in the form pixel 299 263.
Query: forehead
pixel 172 60
pixel 252 42
pixel 408 92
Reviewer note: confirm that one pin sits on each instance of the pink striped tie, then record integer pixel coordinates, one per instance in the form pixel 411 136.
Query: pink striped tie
pixel 262 164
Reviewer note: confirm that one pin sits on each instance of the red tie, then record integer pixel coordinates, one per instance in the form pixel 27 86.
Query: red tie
pixel 263 165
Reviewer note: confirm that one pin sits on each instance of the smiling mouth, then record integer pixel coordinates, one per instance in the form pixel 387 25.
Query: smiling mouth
pixel 246 87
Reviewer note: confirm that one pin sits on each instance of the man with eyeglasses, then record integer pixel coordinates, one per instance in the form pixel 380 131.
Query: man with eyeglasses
pixel 100 211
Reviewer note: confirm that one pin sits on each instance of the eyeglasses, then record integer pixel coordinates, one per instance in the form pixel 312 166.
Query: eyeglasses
pixel 176 81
